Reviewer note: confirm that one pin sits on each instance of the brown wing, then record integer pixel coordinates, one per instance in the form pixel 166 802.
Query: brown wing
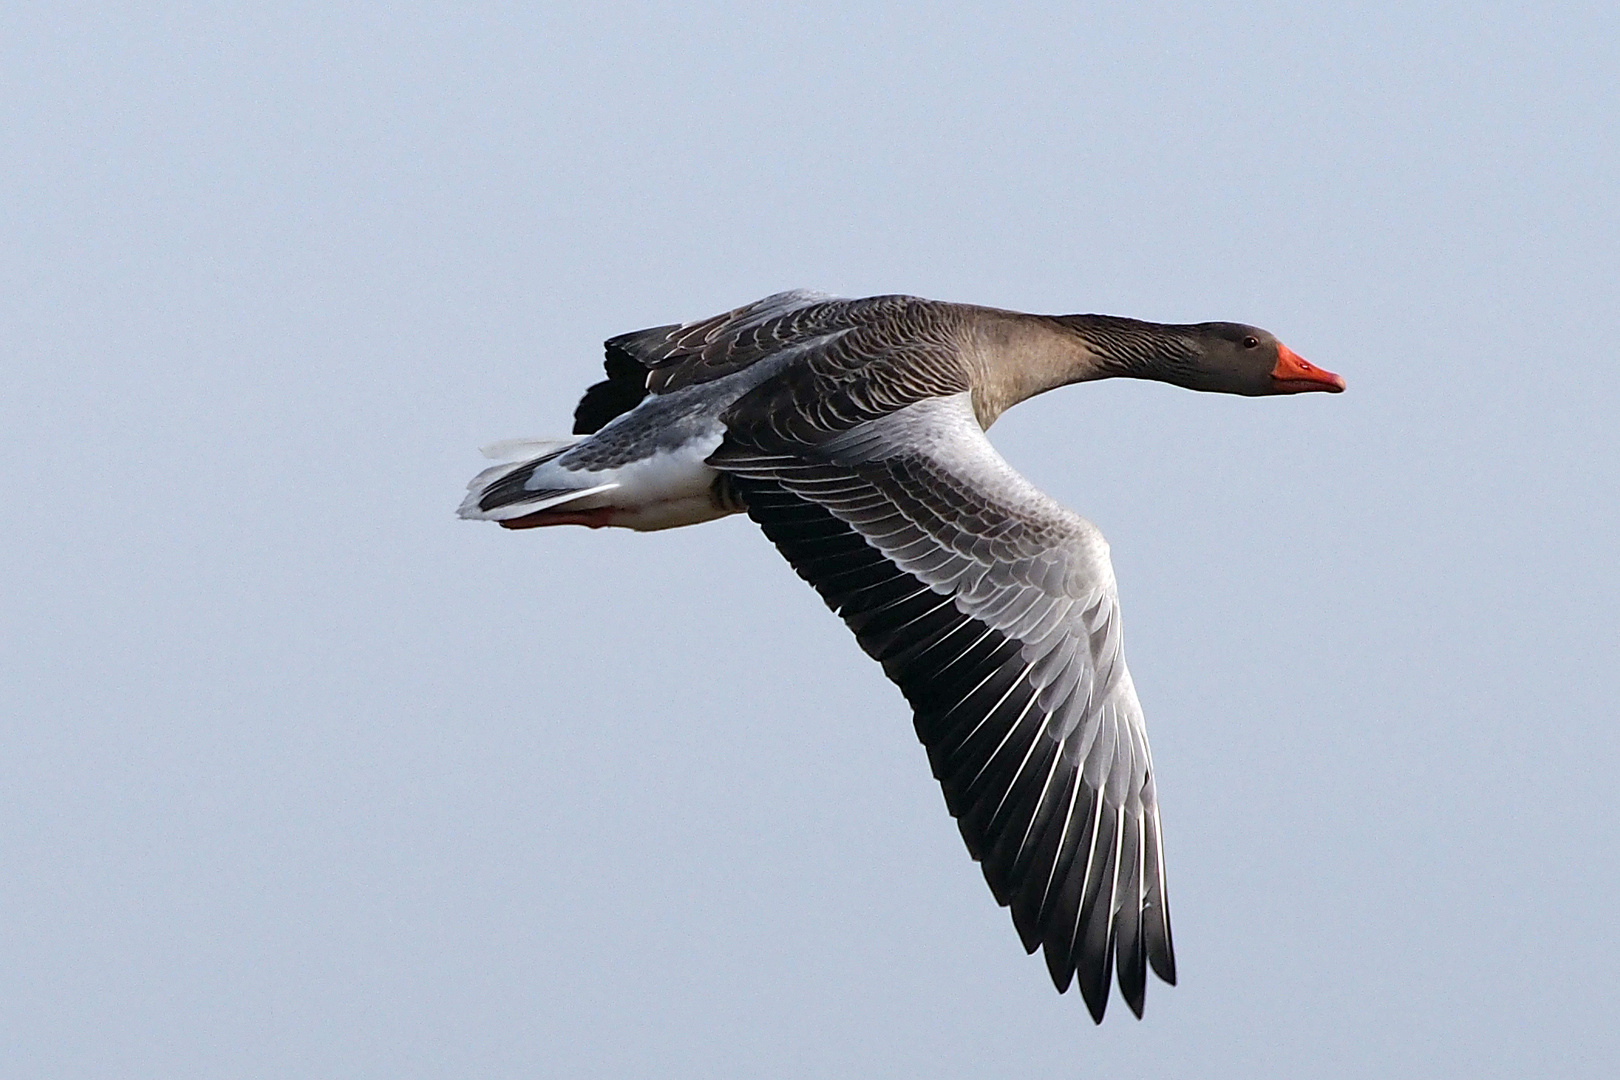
pixel 724 344
pixel 859 359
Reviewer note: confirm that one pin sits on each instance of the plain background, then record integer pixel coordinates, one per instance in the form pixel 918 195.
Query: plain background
pixel 302 777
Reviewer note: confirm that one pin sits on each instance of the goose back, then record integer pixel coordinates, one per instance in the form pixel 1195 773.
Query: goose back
pixel 855 360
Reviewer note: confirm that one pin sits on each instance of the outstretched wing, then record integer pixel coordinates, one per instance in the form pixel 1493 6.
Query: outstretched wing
pixel 995 611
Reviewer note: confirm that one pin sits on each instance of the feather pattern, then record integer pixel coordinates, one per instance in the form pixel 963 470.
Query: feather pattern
pixel 995 611
pixel 855 360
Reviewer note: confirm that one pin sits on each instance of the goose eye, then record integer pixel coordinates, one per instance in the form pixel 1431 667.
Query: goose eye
pixel 1251 343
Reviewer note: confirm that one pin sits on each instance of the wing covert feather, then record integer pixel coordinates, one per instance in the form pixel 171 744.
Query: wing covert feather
pixel 853 361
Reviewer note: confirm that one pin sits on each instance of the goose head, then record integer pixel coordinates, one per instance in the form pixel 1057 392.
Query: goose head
pixel 1232 358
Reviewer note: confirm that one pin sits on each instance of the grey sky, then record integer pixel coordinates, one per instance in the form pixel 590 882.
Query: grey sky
pixel 300 776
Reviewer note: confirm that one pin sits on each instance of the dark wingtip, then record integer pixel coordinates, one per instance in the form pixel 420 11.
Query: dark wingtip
pixel 1029 930
pixel 1161 948
pixel 1060 969
pixel 1134 989
pixel 621 391
pixel 1164 967
pixel 1132 967
pixel 604 401
pixel 1095 951
pixel 1098 1006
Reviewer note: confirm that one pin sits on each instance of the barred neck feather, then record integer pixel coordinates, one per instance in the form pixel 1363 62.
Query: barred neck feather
pixel 1024 355
pixel 1132 348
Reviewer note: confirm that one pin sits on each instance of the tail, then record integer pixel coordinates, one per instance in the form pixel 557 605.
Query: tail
pixel 522 485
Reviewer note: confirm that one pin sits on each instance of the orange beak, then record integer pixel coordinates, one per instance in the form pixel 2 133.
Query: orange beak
pixel 1295 375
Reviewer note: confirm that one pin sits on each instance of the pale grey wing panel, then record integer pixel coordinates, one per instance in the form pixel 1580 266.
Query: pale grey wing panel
pixel 995 611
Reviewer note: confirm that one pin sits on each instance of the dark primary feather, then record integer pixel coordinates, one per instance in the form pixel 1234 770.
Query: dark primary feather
pixel 621 391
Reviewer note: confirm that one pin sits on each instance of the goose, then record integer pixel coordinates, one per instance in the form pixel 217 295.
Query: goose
pixel 853 433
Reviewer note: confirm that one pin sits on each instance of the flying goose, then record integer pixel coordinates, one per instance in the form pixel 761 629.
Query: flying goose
pixel 852 431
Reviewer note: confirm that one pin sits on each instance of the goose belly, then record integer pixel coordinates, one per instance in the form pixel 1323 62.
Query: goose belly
pixel 665 490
